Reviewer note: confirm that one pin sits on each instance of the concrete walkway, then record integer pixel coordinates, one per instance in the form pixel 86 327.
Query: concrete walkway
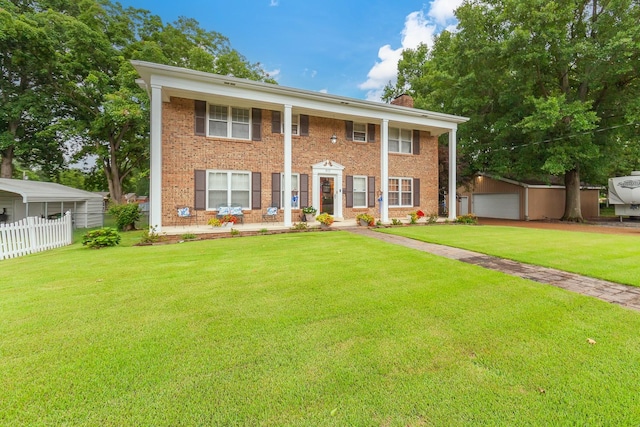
pixel 624 295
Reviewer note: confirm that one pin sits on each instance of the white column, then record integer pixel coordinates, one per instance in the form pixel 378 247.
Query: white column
pixel 452 175
pixel 287 166
pixel 384 170
pixel 155 185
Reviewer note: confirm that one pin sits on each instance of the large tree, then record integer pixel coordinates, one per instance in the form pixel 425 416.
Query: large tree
pixel 550 87
pixel 102 112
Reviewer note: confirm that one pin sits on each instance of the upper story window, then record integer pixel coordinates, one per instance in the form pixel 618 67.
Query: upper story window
pixel 400 192
pixel 360 132
pixel 295 124
pixel 400 141
pixel 229 122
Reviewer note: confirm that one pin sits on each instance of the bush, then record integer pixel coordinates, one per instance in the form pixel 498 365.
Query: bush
pixel 126 216
pixel 467 219
pixel 150 235
pixel 101 238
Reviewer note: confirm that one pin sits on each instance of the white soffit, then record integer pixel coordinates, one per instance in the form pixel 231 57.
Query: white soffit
pixel 182 82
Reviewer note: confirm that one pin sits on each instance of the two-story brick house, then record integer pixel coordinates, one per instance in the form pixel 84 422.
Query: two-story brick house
pixel 219 140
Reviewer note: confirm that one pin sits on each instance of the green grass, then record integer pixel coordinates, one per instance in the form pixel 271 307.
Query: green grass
pixel 303 329
pixel 604 256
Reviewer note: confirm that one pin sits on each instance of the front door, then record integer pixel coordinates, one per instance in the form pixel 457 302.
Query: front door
pixel 327 186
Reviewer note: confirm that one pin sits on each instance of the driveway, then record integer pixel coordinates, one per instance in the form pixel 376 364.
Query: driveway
pixel 600 225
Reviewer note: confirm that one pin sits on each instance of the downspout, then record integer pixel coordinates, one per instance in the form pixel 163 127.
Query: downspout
pixel 526 203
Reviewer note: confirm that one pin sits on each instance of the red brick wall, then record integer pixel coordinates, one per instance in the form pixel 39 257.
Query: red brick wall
pixel 183 152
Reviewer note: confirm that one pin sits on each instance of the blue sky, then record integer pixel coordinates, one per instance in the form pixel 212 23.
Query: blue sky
pixel 341 47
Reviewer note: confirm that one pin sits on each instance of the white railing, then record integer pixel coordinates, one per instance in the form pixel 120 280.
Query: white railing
pixel 34 234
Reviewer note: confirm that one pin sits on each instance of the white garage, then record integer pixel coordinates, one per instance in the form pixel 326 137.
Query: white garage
pixel 503 206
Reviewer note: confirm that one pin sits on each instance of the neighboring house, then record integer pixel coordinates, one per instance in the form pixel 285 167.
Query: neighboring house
pixel 219 140
pixel 492 197
pixel 23 198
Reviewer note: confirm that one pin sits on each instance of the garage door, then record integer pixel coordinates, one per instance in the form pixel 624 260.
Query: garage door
pixel 505 206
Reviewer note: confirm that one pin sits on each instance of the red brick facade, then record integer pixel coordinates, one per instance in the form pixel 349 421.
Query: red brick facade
pixel 183 152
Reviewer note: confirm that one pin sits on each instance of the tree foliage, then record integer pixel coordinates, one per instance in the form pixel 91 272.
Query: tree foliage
pixel 551 88
pixel 68 86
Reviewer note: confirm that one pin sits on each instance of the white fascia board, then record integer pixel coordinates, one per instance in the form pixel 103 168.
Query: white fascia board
pixel 199 83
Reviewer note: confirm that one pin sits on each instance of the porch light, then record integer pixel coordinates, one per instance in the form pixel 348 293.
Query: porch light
pixel 334 138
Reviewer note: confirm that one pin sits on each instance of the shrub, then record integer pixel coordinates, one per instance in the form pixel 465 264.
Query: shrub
pixel 325 218
pixel 151 236
pixel 214 222
pixel 467 219
pixel 370 220
pixel 432 218
pixel 300 226
pixel 396 221
pixel 101 238
pixel 188 236
pixel 126 216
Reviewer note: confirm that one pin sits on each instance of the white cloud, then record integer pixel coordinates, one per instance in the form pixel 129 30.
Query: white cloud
pixel 442 10
pixel 418 28
pixel 324 91
pixel 274 74
pixel 273 3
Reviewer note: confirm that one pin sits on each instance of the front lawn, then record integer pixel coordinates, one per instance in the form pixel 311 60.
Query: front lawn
pixel 604 256
pixel 328 329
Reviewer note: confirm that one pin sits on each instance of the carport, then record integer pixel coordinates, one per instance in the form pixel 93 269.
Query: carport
pixel 23 198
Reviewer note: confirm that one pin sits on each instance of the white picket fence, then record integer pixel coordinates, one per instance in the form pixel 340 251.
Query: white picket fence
pixel 34 234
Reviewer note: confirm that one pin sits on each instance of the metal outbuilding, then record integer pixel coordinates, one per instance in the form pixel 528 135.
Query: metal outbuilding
pixel 23 198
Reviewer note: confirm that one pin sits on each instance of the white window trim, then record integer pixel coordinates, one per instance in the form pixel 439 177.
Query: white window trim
pixel 400 140
pixel 295 121
pixel 297 175
pixel 400 192
pixel 229 121
pixel 353 135
pixel 228 172
pixel 366 181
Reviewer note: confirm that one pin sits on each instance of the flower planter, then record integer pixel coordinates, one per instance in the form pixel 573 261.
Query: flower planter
pixel 310 217
pixel 364 223
pixel 324 226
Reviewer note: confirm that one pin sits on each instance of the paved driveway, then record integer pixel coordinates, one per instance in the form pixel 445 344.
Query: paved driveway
pixel 604 225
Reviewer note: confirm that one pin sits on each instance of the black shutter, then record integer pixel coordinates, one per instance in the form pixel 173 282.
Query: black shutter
pixel 416 142
pixel 276 122
pixel 256 124
pixel 304 125
pixel 349 191
pixel 200 118
pixel 256 190
pixel 416 192
pixel 371 132
pixel 304 190
pixel 275 190
pixel 371 191
pixel 200 186
pixel 348 133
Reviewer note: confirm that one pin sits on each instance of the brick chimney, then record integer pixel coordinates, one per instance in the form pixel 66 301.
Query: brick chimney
pixel 403 100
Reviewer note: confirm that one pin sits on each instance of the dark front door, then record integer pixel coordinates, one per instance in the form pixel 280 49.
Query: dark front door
pixel 326 195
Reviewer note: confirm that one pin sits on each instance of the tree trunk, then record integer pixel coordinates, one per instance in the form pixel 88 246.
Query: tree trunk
pixel 572 210
pixel 6 165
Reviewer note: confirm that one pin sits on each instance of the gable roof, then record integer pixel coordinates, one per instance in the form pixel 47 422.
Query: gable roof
pixel 191 84
pixel 38 191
